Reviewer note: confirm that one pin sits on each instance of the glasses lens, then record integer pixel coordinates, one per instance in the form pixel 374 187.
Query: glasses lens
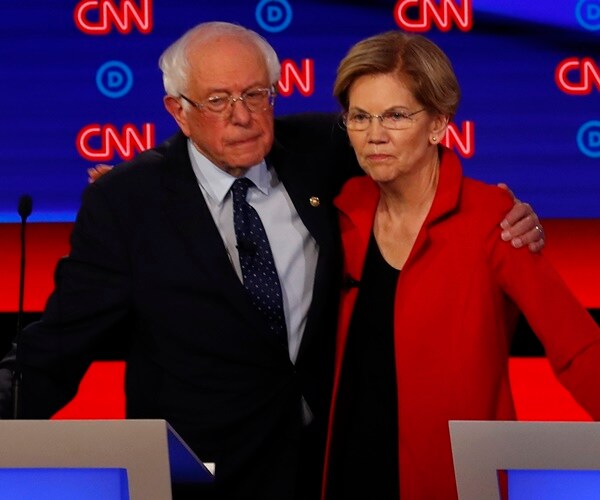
pixel 396 120
pixel 217 103
pixel 257 99
pixel 357 121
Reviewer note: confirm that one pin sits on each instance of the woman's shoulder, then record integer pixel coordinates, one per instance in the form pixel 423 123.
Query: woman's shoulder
pixel 481 208
pixel 482 197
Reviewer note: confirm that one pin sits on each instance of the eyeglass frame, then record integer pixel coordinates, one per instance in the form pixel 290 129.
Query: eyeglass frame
pixel 230 99
pixel 380 117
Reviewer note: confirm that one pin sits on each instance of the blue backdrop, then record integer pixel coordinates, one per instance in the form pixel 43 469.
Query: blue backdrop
pixel 80 85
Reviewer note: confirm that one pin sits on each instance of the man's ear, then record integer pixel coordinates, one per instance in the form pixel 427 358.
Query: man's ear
pixel 176 110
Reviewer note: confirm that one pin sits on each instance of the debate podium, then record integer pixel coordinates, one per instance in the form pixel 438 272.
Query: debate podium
pixel 495 460
pixel 94 459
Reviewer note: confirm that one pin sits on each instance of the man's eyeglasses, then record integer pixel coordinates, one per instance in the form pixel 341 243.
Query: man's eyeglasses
pixel 393 119
pixel 255 100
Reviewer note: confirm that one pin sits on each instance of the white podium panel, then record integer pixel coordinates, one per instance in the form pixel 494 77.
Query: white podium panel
pixel 150 451
pixel 482 448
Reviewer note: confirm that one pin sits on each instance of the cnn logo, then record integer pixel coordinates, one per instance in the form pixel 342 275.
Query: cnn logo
pixel 100 143
pixel 292 76
pixel 576 76
pixel 99 17
pixel 421 15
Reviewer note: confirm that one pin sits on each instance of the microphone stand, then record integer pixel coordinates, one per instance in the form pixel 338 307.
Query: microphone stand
pixel 25 208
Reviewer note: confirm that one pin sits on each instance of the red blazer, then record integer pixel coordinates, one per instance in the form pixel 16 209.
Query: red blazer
pixel 456 305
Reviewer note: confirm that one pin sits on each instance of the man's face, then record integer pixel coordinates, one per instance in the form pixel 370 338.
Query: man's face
pixel 236 138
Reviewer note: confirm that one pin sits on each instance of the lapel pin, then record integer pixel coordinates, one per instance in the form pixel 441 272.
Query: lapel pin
pixel 314 201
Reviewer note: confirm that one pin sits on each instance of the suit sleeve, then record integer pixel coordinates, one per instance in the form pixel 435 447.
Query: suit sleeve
pixel 89 304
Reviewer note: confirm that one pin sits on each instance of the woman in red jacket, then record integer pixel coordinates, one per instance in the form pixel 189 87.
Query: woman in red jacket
pixel 432 294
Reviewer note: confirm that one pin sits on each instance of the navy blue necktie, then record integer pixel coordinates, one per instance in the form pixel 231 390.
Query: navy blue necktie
pixel 256 260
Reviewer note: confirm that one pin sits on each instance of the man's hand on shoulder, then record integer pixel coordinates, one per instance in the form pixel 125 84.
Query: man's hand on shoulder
pixel 521 226
pixel 97 171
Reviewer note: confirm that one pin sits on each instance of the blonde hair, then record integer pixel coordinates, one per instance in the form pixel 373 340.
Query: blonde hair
pixel 420 63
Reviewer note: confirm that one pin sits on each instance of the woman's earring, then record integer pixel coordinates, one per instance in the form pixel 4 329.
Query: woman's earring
pixel 434 139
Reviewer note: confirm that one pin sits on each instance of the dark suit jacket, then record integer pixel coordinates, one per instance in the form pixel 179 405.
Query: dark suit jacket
pixel 148 272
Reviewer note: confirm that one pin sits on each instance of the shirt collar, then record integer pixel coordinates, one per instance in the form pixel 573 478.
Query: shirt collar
pixel 217 183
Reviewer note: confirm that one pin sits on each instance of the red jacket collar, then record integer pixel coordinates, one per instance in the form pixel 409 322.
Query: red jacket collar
pixel 358 200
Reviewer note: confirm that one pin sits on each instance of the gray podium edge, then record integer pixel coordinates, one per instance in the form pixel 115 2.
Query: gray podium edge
pixel 480 448
pixel 150 450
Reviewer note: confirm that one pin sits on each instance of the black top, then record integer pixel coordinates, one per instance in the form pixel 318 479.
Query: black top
pixel 364 460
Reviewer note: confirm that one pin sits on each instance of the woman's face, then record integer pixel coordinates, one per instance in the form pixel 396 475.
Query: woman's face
pixel 387 154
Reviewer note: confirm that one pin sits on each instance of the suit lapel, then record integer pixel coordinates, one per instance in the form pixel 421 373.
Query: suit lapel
pixel 184 203
pixel 311 202
pixel 305 191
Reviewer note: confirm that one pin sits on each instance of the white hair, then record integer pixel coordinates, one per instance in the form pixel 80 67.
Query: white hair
pixel 174 62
